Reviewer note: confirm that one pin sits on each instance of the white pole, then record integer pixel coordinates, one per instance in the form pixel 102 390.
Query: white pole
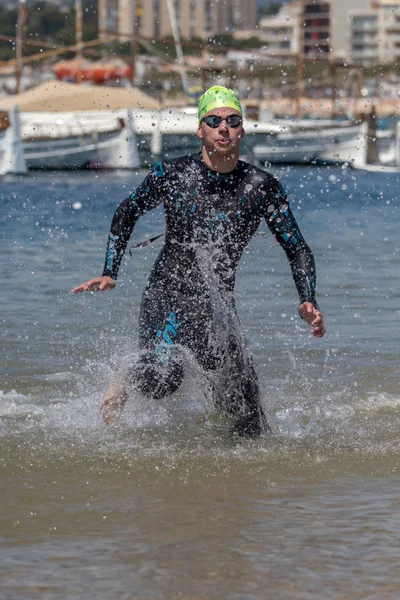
pixel 133 39
pixel 12 158
pixel 178 46
pixel 78 40
pixel 20 31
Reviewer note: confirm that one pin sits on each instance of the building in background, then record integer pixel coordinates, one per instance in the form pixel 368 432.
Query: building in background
pixel 362 31
pixel 363 37
pixel 374 34
pixel 326 25
pixel 341 20
pixel 388 30
pixel 316 28
pixel 366 32
pixel 280 33
pixel 200 18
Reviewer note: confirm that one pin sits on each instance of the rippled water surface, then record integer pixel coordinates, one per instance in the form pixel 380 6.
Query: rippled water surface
pixel 167 505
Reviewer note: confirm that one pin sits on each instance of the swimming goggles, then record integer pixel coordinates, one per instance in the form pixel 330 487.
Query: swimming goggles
pixel 214 121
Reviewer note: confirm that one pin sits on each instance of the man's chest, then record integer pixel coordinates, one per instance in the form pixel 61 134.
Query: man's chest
pixel 210 205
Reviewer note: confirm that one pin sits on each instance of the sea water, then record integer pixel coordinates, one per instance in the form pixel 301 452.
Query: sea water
pixel 166 505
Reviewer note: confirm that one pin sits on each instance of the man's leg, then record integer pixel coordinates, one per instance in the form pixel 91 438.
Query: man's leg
pixel 154 378
pixel 113 403
pixel 251 420
pixel 241 396
pixel 150 377
pixel 221 352
pixel 158 372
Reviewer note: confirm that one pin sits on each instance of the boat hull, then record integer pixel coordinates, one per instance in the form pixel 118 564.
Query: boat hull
pixel 77 140
pixel 334 145
pixel 95 150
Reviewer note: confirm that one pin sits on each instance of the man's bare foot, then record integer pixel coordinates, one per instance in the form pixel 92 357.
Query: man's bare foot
pixel 113 403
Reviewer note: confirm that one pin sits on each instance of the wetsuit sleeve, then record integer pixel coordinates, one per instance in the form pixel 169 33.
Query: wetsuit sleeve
pixel 148 195
pixel 283 225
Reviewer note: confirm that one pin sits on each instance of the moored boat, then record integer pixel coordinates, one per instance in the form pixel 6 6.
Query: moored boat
pixel 67 141
pixel 336 144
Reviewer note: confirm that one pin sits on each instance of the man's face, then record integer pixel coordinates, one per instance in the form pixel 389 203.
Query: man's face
pixel 221 139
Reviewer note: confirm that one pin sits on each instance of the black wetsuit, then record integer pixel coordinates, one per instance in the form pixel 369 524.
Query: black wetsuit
pixel 188 301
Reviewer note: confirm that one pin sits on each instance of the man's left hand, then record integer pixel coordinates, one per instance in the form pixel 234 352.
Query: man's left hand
pixel 313 317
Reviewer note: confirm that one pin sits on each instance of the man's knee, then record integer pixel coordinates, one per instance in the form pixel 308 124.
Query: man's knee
pixel 156 380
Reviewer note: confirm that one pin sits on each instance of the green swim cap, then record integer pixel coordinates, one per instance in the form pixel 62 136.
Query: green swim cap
pixel 218 97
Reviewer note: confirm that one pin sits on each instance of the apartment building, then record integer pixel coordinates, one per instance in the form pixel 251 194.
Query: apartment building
pixel 374 34
pixel 364 31
pixel 200 18
pixel 388 30
pixel 325 26
pixel 363 37
pixel 280 33
pixel 316 28
pixel 301 23
pixel 341 11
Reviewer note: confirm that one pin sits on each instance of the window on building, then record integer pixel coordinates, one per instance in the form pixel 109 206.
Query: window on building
pixel 208 15
pixel 316 22
pixel 316 8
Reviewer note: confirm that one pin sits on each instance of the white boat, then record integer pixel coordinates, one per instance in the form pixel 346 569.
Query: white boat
pixel 70 126
pixel 73 141
pixel 118 139
pixel 103 139
pixel 305 144
pixel 12 159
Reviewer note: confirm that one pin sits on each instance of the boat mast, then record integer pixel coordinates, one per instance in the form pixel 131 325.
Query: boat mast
pixel 134 44
pixel 78 40
pixel 178 46
pixel 21 22
pixel 299 59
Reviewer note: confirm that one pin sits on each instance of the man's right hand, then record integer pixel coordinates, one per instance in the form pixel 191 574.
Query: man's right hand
pixel 313 317
pixel 97 284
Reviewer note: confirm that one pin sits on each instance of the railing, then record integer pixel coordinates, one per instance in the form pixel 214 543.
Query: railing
pixel 364 27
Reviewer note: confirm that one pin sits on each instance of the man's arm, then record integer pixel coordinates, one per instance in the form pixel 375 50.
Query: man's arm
pixel 283 225
pixel 146 197
pixel 97 284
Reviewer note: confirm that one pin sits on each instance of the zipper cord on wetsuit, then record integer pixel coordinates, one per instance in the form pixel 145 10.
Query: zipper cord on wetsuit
pixel 153 239
pixel 143 244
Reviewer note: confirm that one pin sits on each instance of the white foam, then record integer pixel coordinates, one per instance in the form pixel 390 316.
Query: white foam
pixel 13 404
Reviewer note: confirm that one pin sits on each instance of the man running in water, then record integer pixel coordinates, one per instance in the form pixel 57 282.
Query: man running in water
pixel 213 206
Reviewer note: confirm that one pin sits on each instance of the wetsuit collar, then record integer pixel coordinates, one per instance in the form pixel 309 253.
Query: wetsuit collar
pixel 215 174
